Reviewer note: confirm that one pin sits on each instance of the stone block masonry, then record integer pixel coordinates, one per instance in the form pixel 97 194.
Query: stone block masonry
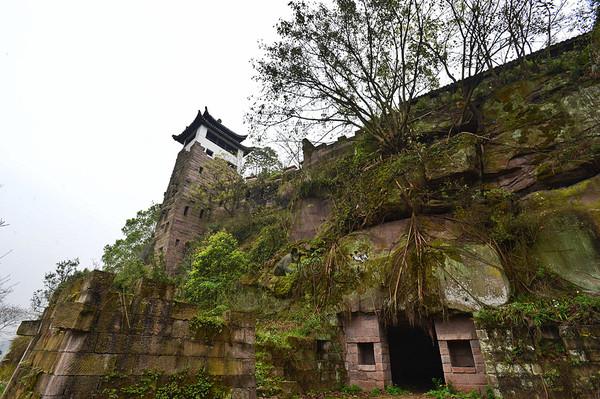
pixel 554 361
pixel 92 332
pixel 462 360
pixel 182 219
pixel 367 353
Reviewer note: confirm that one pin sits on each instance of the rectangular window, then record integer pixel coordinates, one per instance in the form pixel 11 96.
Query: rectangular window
pixel 186 210
pixel 177 242
pixel 461 354
pixel 366 353
pixel 201 213
pixel 200 170
pixel 209 152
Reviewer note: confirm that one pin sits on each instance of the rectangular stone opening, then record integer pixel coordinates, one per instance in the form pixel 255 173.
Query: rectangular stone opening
pixel 461 354
pixel 186 210
pixel 366 353
pixel 321 348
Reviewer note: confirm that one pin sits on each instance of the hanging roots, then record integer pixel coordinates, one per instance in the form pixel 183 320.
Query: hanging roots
pixel 409 276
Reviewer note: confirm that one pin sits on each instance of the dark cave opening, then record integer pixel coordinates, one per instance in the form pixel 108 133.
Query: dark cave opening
pixel 414 358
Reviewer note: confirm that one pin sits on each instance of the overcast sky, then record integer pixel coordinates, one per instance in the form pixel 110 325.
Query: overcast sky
pixel 90 94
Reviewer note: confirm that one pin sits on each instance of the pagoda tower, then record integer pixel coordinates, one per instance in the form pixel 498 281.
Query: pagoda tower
pixel 182 219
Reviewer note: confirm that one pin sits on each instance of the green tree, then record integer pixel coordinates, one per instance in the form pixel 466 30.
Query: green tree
pixel 216 268
pixel 262 161
pixel 53 281
pixel 344 64
pixel 136 244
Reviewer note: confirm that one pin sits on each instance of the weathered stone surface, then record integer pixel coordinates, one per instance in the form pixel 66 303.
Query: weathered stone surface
pixel 472 278
pixel 28 328
pixel 568 245
pixel 73 316
pixel 178 227
pixel 308 219
pixel 567 242
pixel 456 157
pixel 80 345
pixel 564 365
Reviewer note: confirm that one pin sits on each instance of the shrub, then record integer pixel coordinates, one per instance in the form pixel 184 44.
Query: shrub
pixel 216 268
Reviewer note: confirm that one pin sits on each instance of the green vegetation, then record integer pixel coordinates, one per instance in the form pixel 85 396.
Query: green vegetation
pixel 267 384
pixel 246 262
pixel 395 391
pixel 262 162
pixel 134 247
pixel 154 385
pixel 131 257
pixel 351 390
pixel 539 312
pixel 443 391
pixel 216 268
pixel 54 282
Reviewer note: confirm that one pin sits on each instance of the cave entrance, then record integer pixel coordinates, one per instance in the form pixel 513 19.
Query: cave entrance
pixel 414 357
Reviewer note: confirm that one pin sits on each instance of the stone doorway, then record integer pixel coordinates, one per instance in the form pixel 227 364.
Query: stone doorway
pixel 414 357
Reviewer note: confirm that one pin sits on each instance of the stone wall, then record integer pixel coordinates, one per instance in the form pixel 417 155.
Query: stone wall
pixel 323 153
pixel 552 362
pixel 308 365
pixel 182 218
pixel 92 332
pixel 462 360
pixel 365 336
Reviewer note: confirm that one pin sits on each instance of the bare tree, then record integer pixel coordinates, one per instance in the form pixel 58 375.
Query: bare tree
pixel 352 64
pixel 10 315
pixel 472 40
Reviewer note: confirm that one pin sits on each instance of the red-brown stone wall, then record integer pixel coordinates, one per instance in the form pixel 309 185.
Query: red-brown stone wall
pixel 361 328
pixel 176 228
pixel 461 330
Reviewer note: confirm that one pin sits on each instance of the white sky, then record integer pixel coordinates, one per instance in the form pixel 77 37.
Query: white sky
pixel 90 93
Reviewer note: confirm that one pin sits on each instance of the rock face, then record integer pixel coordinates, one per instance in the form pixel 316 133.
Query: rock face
pixel 471 275
pixel 517 195
pixel 568 240
pixel 93 341
pixel 474 279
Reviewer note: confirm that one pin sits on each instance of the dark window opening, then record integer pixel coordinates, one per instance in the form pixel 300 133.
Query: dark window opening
pixel 366 353
pixel 221 143
pixel 201 213
pixel 461 354
pixel 425 362
pixel 177 242
pixel 186 210
pixel 200 169
pixel 549 332
pixel 209 152
pixel 322 346
pixel 161 249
